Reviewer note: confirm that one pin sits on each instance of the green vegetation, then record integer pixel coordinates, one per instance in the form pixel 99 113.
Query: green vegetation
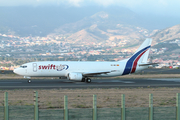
pixel 169 46
pixel 80 106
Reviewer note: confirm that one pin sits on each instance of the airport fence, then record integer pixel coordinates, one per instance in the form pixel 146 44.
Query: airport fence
pixel 33 112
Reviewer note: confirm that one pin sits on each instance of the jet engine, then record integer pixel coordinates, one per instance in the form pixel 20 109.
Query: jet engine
pixel 75 76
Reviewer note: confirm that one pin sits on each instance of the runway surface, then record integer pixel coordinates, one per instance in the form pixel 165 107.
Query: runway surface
pixel 96 83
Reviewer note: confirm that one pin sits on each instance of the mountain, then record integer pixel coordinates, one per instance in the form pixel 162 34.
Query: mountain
pixel 43 20
pixel 89 24
pixel 167 34
pixel 104 26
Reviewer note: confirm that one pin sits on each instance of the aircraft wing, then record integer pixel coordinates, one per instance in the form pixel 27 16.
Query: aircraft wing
pixel 95 73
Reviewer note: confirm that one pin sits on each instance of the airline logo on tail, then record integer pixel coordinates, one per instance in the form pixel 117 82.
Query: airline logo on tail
pixel 132 62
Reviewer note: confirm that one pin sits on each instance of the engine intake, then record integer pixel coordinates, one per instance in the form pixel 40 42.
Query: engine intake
pixel 75 76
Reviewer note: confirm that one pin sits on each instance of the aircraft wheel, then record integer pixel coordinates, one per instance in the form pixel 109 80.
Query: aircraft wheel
pixel 88 80
pixel 29 81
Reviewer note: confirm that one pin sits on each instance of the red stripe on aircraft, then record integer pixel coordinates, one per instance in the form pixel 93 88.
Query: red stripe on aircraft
pixel 135 62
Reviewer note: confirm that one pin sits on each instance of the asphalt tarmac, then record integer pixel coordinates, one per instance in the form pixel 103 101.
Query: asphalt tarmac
pixel 96 83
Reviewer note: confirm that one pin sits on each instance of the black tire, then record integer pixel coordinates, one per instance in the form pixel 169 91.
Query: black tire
pixel 29 81
pixel 88 80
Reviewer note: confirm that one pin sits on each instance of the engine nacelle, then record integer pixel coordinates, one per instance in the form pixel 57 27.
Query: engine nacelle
pixel 75 76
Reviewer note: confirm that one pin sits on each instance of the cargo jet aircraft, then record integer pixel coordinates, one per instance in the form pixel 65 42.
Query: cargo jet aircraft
pixel 83 71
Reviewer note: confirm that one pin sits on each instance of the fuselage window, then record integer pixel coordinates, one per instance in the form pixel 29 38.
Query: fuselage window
pixel 23 66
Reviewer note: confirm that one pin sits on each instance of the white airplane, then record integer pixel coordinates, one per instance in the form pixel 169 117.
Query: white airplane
pixel 83 70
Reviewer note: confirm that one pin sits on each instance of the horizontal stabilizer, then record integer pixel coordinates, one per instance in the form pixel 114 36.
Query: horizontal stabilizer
pixel 148 64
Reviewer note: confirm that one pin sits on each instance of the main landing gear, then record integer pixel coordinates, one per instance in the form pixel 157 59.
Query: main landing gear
pixel 29 81
pixel 88 80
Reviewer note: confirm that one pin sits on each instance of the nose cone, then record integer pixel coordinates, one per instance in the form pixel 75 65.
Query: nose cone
pixel 17 71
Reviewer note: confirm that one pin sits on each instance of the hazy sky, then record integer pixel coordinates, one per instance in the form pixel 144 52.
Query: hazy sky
pixel 158 7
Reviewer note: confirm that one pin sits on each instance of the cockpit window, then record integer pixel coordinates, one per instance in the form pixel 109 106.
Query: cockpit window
pixel 24 66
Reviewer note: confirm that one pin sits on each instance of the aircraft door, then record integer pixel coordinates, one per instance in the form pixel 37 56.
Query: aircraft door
pixel 34 67
pixel 25 70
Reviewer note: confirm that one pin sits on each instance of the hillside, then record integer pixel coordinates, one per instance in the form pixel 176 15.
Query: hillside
pixel 100 27
pixel 83 37
pixel 167 34
pixel 43 20
pixel 82 25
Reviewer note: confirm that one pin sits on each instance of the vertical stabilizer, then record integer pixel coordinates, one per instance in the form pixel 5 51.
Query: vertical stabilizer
pixel 140 56
pixel 146 44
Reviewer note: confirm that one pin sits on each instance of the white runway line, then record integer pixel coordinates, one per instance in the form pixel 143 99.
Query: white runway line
pixel 166 79
pixel 128 82
pixel 122 81
pixel 10 82
pixel 115 81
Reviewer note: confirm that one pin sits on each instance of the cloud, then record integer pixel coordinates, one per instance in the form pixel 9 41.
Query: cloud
pixel 40 2
pixel 157 7
pixel 76 2
pixel 149 6
pixel 127 3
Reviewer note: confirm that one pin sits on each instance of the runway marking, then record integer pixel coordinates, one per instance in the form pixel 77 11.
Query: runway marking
pixel 128 82
pixel 117 81
pixel 122 81
pixel 167 79
pixel 10 82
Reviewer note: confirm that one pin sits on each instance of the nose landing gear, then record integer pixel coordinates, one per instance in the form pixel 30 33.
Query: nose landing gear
pixel 29 79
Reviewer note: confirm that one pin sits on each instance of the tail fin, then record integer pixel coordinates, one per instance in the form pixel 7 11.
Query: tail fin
pixel 142 52
pixel 140 56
